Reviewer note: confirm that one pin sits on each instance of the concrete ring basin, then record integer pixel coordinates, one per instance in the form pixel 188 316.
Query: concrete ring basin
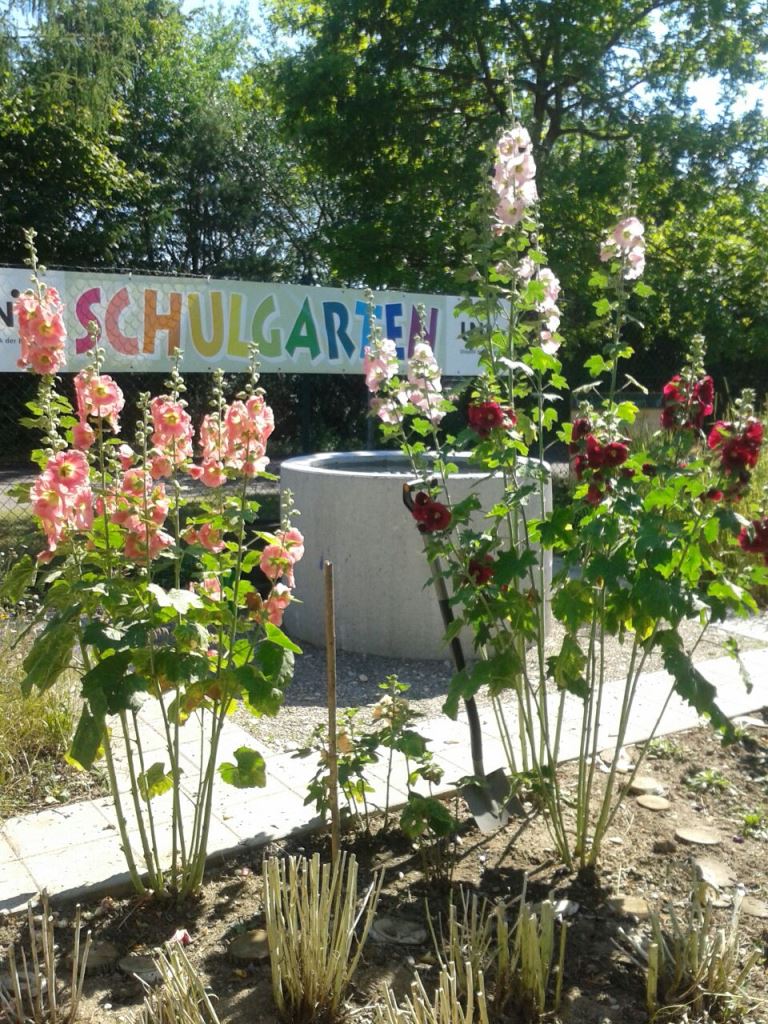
pixel 352 515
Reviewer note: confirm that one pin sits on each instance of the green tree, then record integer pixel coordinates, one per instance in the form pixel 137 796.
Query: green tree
pixel 395 102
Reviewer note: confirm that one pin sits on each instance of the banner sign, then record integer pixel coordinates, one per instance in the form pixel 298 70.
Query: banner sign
pixel 142 320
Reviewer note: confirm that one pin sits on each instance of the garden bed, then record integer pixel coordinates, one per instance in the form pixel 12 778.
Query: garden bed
pixel 724 790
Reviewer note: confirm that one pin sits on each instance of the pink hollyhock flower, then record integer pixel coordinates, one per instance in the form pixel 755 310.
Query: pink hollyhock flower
pixel 293 542
pixel 380 363
pixel 276 603
pixel 83 436
pixel 68 470
pixel 635 264
pixel 160 465
pixel 210 473
pixel 170 420
pixel 525 269
pixel 147 545
pixel 104 399
pixel 261 416
pixel 388 410
pixel 211 538
pixel 47 500
pixel 628 233
pixel 126 456
pixel 41 331
pixel 135 483
pixel 211 586
pixel 275 562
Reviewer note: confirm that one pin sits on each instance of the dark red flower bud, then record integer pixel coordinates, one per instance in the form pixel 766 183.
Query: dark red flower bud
pixel 594 495
pixel 649 469
pixel 580 428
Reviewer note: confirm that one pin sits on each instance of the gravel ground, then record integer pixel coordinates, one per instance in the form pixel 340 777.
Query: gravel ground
pixel 358 676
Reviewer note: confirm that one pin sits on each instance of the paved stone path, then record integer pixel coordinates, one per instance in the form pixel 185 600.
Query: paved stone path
pixel 74 850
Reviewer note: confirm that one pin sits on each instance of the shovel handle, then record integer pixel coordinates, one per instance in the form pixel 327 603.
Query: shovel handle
pixel 457 651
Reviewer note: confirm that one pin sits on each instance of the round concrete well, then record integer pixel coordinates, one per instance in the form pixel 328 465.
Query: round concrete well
pixel 352 515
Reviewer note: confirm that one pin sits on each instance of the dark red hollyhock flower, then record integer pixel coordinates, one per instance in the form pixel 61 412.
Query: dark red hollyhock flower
pixel 432 516
pixel 594 495
pixel 738 452
pixel 687 410
pixel 483 417
pixel 580 463
pixel 615 454
pixel 649 469
pixel 703 402
pixel 481 569
pixel 714 494
pixel 756 544
pixel 595 453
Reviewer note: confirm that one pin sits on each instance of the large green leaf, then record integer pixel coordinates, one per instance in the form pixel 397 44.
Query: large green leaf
pixel 691 684
pixel 51 654
pixel 276 636
pixel 87 742
pixel 18 580
pixel 567 667
pixel 249 771
pixel 111 686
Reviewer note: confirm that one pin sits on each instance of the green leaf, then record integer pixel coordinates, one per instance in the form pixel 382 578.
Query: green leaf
pixel 182 601
pixel 154 781
pixel 691 684
pixel 260 695
pixel 597 365
pixel 513 566
pixel 597 280
pixel 275 662
pixel 250 770
pixel 424 814
pixel 602 307
pixel 18 580
pixel 110 687
pixel 276 636
pixel 643 290
pixel 567 668
pixel 86 744
pixel 410 743
pixel 51 654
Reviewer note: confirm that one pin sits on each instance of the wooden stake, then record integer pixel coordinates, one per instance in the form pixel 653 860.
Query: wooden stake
pixel 330 660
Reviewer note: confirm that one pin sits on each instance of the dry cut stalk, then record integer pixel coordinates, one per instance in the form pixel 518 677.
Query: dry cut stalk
pixel 516 961
pixel 181 997
pixel 693 965
pixel 449 1006
pixel 34 995
pixel 311 916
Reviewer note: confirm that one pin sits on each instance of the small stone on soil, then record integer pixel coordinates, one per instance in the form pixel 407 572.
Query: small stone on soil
pixel 249 947
pixel 697 836
pixel 398 931
pixel 143 967
pixel 753 907
pixel 645 784
pixel 714 872
pixel 629 906
pixel 652 802
pixel 102 957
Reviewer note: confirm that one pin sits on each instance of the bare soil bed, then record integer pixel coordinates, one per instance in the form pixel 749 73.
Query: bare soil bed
pixel 722 789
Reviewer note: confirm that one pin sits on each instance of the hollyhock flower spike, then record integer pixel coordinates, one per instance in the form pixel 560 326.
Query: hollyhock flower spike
pixel 380 363
pixel 41 330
